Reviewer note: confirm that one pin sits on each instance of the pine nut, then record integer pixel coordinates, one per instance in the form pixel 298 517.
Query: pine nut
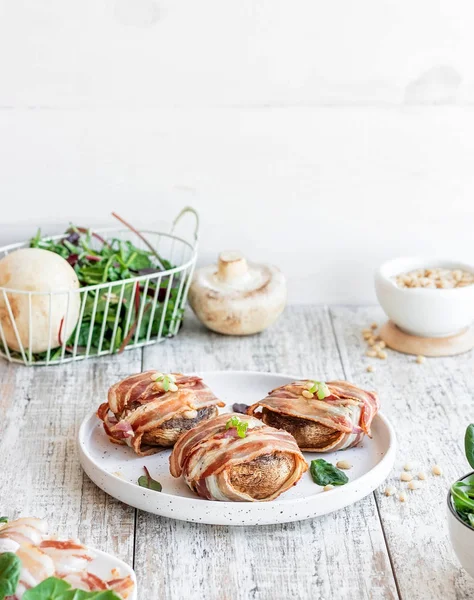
pixel 371 353
pixel 382 354
pixel 326 488
pixel 408 466
pixel 343 464
pixel 173 387
pixel 307 394
pixel 421 476
pixel 414 485
pixel 437 470
pixel 420 359
pixel 390 490
pixel 406 476
pixel 402 497
pixel 370 369
pixel 374 326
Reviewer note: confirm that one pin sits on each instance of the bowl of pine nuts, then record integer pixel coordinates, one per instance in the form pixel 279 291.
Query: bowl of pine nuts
pixel 427 297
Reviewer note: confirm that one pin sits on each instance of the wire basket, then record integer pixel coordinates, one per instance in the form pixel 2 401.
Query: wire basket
pixel 105 318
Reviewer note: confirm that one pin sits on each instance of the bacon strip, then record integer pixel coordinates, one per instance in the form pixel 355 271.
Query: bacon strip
pixel 138 405
pixel 206 454
pixel 348 409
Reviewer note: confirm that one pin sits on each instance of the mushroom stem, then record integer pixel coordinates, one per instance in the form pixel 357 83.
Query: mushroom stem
pixel 232 266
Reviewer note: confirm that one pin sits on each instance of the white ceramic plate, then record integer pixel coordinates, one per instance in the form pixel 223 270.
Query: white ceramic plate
pixel 104 563
pixel 116 469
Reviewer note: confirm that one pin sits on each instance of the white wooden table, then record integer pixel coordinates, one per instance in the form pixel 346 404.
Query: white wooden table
pixel 378 548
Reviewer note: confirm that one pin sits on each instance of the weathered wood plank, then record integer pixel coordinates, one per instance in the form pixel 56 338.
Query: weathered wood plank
pixel 42 408
pixel 429 406
pixel 340 556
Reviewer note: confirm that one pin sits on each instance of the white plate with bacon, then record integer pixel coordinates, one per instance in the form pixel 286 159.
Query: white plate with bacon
pixel 117 468
pixel 43 556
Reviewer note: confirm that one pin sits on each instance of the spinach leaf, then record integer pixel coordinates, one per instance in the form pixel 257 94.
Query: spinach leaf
pixel 147 481
pixel 10 567
pixel 469 444
pixel 3 519
pixel 57 589
pixel 324 473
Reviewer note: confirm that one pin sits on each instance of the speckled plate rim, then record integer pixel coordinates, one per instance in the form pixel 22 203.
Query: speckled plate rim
pixel 198 510
pixel 103 563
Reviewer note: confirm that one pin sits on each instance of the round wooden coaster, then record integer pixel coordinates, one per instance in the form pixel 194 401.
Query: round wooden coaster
pixel 397 339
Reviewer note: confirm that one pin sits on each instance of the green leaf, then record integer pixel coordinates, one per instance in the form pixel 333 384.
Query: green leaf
pixel 10 568
pixel 469 444
pixel 3 519
pixel 324 473
pixel 147 481
pixel 57 589
pixel 240 426
pixel 460 492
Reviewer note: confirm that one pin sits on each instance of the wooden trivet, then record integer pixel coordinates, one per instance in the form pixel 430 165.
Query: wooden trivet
pixel 396 339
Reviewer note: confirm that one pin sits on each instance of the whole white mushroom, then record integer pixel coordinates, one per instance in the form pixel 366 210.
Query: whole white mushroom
pixel 36 270
pixel 236 297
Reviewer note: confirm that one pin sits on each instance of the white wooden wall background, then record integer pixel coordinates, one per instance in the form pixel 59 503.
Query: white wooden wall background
pixel 324 137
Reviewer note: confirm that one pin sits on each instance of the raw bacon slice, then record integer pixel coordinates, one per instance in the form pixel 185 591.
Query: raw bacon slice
pixel 217 464
pixel 140 413
pixel 337 422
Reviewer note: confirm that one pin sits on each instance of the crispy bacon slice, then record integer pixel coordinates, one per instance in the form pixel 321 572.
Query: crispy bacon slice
pixel 348 410
pixel 207 455
pixel 141 414
pixel 68 555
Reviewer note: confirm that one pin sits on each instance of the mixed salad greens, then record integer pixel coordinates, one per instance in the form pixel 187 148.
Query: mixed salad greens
pixel 462 492
pixel 111 316
pixel 49 589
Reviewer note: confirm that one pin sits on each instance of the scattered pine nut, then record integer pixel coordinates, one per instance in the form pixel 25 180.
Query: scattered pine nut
pixel 382 344
pixel 343 464
pixel 173 387
pixel 437 470
pixel 420 359
pixel 406 476
pixel 371 342
pixel 402 497
pixel 326 488
pixel 382 354
pixel 374 326
pixel 307 394
pixel 371 353
pixel 414 485
pixel 390 490
pixel 366 330
pixel 408 466
pixel 421 476
pixel 370 369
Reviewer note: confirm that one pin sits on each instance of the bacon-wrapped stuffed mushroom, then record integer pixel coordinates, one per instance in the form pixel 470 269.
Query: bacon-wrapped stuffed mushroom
pixel 150 410
pixel 321 416
pixel 237 458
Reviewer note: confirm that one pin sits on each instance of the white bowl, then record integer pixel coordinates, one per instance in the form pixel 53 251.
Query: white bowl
pixel 461 535
pixel 422 311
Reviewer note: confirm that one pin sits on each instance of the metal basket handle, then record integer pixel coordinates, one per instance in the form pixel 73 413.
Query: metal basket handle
pixel 187 209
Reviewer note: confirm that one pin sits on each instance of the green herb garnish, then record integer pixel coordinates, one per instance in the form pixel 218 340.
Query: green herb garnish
pixel 320 389
pixel 324 473
pixel 3 519
pixel 165 381
pixel 147 481
pixel 469 444
pixel 58 589
pixel 10 568
pixel 241 426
